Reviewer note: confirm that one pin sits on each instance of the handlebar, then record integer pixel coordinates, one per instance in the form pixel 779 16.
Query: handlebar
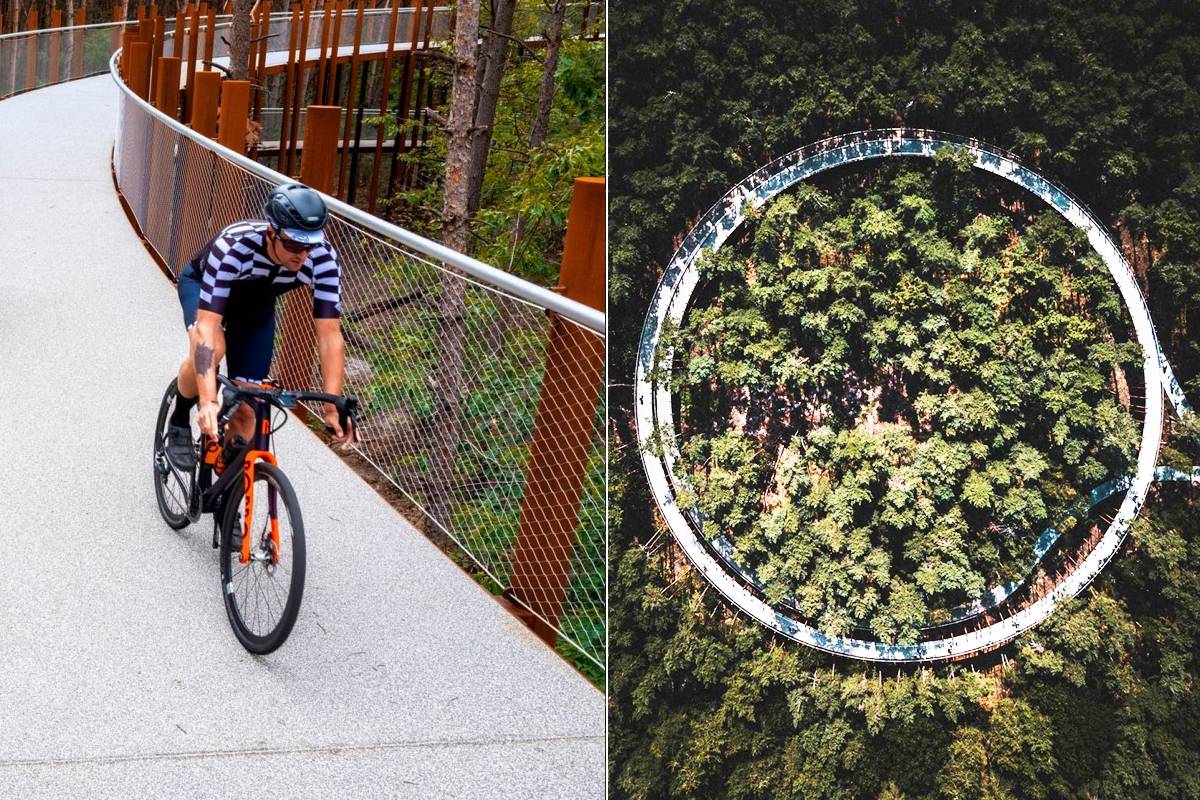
pixel 232 394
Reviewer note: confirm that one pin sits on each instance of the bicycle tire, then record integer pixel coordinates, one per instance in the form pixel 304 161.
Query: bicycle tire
pixel 162 472
pixel 261 639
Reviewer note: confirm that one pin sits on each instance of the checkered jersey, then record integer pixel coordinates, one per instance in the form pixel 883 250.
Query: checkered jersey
pixel 238 253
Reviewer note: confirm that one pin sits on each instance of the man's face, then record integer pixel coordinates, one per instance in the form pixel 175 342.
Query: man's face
pixel 282 251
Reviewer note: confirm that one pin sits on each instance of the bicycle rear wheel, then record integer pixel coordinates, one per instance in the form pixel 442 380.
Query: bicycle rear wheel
pixel 262 597
pixel 172 488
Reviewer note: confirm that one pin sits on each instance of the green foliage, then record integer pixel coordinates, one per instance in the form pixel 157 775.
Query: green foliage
pixel 505 350
pixel 532 186
pixel 925 367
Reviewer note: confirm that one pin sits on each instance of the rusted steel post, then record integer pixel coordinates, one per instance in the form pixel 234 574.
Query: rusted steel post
pixel 180 20
pixel 138 79
pixel 384 95
pixel 196 180
pixel 298 340
pixel 339 6
pixel 31 24
pixel 406 82
pixel 128 37
pixel 344 162
pixel 411 72
pixel 157 28
pixel 166 96
pixel 289 76
pixel 77 43
pixel 211 35
pixel 235 112
pixel 192 47
pixel 117 33
pixel 229 181
pixel 322 59
pixel 56 21
pixel 318 160
pixel 264 26
pixel 355 155
pixel 204 108
pixel 565 425
pixel 301 84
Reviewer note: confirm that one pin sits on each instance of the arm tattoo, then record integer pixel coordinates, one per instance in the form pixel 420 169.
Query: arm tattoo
pixel 203 359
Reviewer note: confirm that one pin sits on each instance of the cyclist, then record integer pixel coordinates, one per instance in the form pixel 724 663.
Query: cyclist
pixel 227 292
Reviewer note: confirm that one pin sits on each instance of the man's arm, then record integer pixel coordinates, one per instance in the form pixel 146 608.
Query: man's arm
pixel 207 344
pixel 332 349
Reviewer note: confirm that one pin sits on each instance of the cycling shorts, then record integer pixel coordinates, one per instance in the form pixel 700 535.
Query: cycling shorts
pixel 249 324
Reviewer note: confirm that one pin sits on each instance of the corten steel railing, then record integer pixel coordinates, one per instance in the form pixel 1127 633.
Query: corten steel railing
pixel 57 53
pixel 44 57
pixel 31 60
pixel 483 393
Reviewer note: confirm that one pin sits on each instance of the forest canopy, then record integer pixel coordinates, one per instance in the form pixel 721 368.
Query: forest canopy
pixel 895 384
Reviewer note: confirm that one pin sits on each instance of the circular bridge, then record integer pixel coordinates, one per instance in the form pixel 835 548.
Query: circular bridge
pixel 657 435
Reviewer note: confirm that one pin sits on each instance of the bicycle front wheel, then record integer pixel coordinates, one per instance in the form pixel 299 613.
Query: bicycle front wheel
pixel 262 596
pixel 172 488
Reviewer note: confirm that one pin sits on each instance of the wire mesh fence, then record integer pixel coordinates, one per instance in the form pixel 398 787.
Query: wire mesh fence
pixel 482 407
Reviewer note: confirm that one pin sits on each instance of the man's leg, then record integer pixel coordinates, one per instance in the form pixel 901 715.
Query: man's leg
pixel 179 431
pixel 249 341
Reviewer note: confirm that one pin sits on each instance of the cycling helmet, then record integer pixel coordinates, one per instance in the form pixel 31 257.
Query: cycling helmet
pixel 298 211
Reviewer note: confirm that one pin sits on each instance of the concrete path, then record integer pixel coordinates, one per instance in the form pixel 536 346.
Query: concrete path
pixel 120 676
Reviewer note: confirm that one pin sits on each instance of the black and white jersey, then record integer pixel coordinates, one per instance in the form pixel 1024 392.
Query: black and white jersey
pixel 238 253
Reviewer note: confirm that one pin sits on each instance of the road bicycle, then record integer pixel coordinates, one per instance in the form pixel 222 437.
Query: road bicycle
pixel 261 545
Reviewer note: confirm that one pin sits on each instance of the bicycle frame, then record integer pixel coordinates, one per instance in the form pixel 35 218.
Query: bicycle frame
pixel 205 493
pixel 255 450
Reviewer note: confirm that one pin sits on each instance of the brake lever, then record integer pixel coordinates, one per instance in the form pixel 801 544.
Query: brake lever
pixel 347 412
pixel 229 398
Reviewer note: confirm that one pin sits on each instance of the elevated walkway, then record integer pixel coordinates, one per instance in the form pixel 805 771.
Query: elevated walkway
pixel 121 676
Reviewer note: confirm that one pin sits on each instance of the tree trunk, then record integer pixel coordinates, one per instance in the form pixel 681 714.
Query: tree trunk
pixel 448 372
pixel 541 125
pixel 68 42
pixel 239 40
pixel 495 51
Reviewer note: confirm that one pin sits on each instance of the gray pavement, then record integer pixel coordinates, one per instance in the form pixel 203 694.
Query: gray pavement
pixel 119 675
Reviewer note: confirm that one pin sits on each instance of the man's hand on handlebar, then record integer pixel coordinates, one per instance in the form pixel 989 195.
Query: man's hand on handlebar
pixel 344 436
pixel 206 416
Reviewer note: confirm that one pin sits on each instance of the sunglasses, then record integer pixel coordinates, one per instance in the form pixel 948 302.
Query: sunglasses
pixel 291 245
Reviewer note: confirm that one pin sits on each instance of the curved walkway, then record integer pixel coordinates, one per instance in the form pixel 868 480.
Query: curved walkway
pixel 655 414
pixel 121 677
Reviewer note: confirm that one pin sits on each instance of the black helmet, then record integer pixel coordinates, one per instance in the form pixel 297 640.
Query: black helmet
pixel 298 210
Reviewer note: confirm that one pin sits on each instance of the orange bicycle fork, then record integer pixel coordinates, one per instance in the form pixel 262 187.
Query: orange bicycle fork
pixel 261 452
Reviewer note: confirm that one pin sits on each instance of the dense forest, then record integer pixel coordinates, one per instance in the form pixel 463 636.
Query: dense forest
pixel 888 398
pixel 890 384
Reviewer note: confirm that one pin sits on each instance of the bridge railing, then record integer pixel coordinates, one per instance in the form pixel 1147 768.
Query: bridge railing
pixel 30 60
pixel 483 393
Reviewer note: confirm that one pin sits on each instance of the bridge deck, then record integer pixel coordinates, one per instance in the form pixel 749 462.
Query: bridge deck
pixel 121 676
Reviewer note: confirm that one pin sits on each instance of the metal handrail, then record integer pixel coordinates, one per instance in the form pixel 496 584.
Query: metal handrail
pixel 575 311
pixel 221 18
